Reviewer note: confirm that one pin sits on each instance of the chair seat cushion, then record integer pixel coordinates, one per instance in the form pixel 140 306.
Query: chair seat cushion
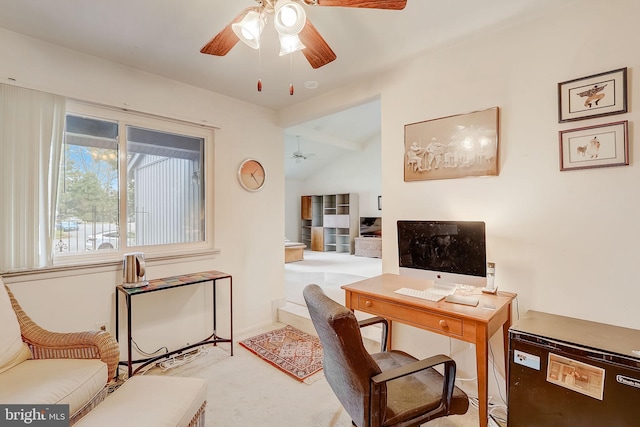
pixel 414 394
pixel 52 381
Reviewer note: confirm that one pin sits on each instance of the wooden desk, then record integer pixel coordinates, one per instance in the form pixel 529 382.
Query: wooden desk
pixel 471 324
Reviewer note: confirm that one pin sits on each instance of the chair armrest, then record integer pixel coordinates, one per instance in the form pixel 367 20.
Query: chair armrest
pixel 385 328
pixel 74 345
pixel 420 365
pixel 45 344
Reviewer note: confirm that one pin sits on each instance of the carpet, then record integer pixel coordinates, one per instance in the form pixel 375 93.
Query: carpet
pixel 294 352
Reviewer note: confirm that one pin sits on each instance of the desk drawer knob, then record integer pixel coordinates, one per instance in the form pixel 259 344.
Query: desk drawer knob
pixel 368 303
pixel 443 324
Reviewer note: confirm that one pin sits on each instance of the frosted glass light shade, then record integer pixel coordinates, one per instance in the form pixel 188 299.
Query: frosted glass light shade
pixel 250 28
pixel 290 44
pixel 289 18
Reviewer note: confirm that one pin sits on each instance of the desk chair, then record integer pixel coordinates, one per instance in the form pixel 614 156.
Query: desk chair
pixel 390 388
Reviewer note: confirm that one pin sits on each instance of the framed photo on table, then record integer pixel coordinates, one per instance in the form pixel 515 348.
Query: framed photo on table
pixel 594 146
pixel 593 96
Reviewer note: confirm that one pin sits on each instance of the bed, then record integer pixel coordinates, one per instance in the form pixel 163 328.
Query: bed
pixel 293 251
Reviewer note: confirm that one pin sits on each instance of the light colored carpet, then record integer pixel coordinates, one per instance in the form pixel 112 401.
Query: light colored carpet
pixel 329 270
pixel 244 390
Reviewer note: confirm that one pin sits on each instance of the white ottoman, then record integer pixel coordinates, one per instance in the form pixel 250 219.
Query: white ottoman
pixel 151 401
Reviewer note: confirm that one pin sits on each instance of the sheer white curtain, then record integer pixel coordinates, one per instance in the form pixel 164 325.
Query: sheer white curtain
pixel 31 134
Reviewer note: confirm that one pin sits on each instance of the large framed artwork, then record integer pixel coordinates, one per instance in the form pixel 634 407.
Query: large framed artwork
pixel 594 146
pixel 601 94
pixel 452 147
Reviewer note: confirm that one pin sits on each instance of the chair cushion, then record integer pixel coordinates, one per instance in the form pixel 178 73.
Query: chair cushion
pixel 12 350
pixel 52 381
pixel 414 394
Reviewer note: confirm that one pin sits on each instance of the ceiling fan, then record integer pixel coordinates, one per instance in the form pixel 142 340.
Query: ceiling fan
pixel 298 155
pixel 294 29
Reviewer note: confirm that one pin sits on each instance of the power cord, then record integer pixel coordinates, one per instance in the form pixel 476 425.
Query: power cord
pixel 135 344
pixel 493 408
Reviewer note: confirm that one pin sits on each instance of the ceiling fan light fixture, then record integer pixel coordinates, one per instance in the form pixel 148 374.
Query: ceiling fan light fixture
pixel 289 18
pixel 290 44
pixel 250 28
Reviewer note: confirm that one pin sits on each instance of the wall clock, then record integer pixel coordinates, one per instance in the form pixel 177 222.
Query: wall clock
pixel 251 175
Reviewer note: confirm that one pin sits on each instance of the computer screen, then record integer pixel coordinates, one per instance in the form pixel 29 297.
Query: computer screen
pixel 449 251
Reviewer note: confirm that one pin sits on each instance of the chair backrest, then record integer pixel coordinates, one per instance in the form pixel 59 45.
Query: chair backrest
pixel 347 365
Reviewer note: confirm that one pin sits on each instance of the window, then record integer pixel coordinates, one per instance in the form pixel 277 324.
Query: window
pixel 129 182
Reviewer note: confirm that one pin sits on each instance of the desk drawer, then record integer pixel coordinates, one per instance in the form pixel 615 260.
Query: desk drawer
pixel 411 315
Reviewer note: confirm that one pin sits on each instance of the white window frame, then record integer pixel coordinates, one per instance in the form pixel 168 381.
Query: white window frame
pixel 159 252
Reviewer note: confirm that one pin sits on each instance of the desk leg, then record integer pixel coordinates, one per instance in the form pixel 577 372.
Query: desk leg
pixel 482 363
pixel 231 313
pixel 505 341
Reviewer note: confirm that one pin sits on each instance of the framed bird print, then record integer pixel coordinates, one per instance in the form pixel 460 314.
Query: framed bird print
pixel 601 94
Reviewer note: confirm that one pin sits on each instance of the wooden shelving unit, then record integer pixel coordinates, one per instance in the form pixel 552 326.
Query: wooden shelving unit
pixel 330 222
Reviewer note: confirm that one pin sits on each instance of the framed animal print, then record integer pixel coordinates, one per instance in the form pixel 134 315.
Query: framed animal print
pixel 594 146
pixel 602 94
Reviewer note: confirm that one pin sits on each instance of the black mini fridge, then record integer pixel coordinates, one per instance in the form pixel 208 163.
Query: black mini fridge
pixel 570 372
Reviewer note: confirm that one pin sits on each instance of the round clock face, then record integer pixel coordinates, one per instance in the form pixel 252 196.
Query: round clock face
pixel 251 175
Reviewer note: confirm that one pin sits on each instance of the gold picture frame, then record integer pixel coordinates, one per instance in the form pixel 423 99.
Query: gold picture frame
pixel 452 147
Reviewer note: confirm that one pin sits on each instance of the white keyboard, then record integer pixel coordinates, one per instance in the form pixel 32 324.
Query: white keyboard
pixel 431 294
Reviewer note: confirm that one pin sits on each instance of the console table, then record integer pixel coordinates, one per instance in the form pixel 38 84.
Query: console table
pixel 169 283
pixel 471 324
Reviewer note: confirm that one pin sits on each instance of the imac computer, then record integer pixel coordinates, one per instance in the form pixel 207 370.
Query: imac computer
pixel 443 251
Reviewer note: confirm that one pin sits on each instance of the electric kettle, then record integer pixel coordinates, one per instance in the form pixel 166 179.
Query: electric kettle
pixel 133 270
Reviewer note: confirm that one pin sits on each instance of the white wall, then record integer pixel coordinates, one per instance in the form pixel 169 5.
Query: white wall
pixel 565 242
pixel 248 226
pixel 355 172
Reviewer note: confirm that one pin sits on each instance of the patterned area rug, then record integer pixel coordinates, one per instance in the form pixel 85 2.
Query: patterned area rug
pixel 289 349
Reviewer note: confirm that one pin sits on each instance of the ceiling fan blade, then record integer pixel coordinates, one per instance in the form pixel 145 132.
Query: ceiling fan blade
pixel 372 4
pixel 225 40
pixel 317 51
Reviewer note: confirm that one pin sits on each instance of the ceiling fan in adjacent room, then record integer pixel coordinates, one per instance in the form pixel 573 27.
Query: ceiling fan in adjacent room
pixel 298 155
pixel 294 29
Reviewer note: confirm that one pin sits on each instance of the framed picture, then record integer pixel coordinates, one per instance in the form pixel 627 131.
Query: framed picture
pixel 594 146
pixel 452 147
pixel 598 95
pixel 576 376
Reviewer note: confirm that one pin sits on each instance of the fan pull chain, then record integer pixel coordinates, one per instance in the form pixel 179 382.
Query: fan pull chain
pixel 290 74
pixel 259 69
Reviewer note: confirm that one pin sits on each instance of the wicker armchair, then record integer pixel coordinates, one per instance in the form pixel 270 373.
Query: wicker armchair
pixel 73 345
